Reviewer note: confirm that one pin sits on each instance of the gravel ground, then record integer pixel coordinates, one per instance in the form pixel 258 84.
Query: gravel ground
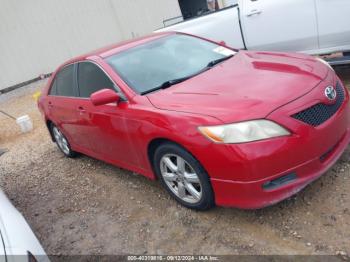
pixel 84 206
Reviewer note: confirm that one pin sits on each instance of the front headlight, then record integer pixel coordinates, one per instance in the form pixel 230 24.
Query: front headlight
pixel 324 62
pixel 243 132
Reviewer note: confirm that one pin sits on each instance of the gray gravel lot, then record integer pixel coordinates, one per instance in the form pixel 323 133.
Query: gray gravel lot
pixel 84 206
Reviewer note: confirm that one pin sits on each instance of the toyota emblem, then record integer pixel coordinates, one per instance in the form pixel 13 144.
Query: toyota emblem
pixel 330 93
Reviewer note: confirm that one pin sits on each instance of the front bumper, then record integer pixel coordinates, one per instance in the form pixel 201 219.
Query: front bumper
pixel 239 173
pixel 252 195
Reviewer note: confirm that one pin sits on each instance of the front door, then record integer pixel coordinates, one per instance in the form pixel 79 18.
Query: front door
pixel 103 126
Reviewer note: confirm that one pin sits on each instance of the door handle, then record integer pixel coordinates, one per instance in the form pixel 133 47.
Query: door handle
pixel 50 104
pixel 81 110
pixel 254 12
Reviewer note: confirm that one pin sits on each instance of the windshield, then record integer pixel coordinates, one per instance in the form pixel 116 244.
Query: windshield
pixel 147 67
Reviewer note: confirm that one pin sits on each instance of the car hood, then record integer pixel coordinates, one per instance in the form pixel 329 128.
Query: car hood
pixel 248 86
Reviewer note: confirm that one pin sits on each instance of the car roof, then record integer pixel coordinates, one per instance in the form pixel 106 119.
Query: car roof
pixel 119 47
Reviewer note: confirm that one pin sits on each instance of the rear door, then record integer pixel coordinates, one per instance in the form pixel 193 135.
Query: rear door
pixel 62 102
pixel 333 23
pixel 288 25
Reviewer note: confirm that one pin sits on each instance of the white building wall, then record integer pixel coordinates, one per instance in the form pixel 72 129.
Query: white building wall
pixel 38 35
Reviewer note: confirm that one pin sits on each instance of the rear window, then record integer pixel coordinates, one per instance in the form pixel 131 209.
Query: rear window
pixel 63 84
pixel 53 90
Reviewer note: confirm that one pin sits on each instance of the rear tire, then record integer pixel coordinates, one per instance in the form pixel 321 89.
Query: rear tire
pixel 183 177
pixel 62 142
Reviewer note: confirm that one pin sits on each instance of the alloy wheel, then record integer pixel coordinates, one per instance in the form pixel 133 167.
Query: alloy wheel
pixel 181 178
pixel 61 140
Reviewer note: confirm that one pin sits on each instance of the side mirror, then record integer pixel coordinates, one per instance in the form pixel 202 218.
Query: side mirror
pixel 222 43
pixel 104 96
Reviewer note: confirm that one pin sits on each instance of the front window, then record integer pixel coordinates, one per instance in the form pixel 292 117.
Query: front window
pixel 92 79
pixel 148 66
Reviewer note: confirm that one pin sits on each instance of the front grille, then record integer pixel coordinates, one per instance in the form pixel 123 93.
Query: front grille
pixel 320 113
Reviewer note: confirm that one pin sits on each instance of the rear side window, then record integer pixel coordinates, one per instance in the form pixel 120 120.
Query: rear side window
pixel 53 90
pixel 63 84
pixel 92 79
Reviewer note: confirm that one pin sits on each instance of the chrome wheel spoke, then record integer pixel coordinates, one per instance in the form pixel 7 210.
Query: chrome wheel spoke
pixel 191 178
pixel 61 140
pixel 194 193
pixel 64 141
pixel 170 164
pixel 171 177
pixel 65 147
pixel 181 190
pixel 56 134
pixel 180 165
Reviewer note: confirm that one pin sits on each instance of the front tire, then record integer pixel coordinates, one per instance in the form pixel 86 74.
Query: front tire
pixel 62 142
pixel 183 177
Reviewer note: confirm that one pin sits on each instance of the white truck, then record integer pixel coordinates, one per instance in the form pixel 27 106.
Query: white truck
pixel 314 27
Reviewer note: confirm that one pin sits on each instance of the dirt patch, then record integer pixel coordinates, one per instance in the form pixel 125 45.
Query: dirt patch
pixel 84 206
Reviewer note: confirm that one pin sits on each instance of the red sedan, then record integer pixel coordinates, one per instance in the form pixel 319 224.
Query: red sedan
pixel 215 125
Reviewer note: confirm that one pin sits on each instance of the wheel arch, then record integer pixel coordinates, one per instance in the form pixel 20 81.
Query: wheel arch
pixel 48 125
pixel 152 147
pixel 156 142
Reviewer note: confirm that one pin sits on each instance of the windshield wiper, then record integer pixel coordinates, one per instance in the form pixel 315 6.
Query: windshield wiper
pixel 218 61
pixel 169 83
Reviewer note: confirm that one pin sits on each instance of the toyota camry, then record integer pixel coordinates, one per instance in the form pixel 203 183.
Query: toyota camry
pixel 215 125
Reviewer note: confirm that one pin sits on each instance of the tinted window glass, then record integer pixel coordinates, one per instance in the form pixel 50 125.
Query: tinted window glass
pixel 92 79
pixel 53 90
pixel 65 82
